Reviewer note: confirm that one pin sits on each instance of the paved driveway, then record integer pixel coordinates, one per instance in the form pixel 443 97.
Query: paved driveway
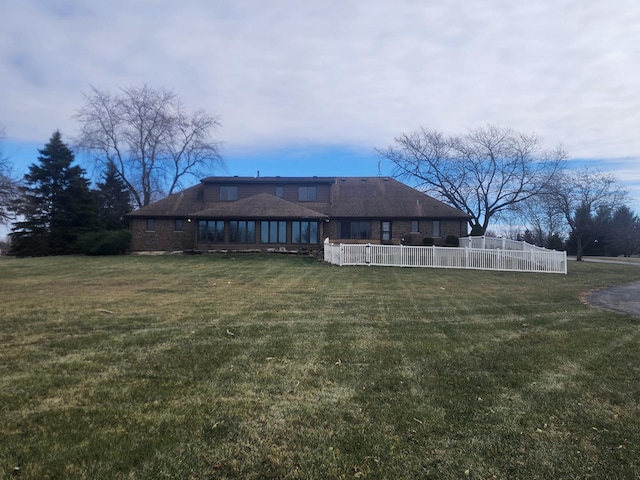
pixel 622 298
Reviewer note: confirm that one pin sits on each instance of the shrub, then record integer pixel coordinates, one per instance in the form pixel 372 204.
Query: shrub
pixel 452 241
pixel 428 241
pixel 106 242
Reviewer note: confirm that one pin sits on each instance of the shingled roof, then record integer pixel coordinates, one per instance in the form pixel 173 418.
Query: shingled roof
pixel 179 204
pixel 269 180
pixel 351 197
pixel 262 205
pixel 385 197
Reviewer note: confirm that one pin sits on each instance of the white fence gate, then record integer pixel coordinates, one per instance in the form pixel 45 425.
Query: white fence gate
pixel 509 256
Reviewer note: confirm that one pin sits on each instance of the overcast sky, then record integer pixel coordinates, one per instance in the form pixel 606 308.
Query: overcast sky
pixel 295 82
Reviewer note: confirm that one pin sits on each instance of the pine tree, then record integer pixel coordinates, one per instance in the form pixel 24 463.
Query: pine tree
pixel 114 200
pixel 59 206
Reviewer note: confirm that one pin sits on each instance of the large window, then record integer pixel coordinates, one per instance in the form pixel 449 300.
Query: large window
pixel 307 194
pixel 279 191
pixel 228 193
pixel 210 231
pixel 273 232
pixel 355 229
pixel 304 232
pixel 242 231
pixel 178 225
pixel 415 226
pixel 151 225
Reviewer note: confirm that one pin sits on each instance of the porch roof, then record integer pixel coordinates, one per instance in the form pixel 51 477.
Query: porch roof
pixel 263 205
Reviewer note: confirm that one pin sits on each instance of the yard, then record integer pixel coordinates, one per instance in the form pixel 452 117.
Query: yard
pixel 285 367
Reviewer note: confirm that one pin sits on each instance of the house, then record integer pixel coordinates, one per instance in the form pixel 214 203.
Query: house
pixel 292 213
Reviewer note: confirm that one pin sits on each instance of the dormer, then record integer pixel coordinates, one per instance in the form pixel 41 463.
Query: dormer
pixel 293 189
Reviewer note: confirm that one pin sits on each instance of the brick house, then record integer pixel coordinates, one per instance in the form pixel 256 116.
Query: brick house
pixel 292 213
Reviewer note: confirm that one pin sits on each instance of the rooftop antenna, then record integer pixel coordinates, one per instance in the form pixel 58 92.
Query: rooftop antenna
pixel 258 174
pixel 379 168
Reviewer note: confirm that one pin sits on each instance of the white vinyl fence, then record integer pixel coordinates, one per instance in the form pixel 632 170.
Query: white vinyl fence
pixel 526 258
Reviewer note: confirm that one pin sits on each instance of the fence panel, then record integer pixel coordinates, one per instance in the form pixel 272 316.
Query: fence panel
pixel 521 260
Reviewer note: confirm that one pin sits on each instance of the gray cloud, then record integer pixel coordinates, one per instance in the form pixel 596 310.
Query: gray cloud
pixel 353 72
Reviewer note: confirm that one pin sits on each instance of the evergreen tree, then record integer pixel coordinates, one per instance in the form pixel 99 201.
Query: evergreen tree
pixel 58 207
pixel 114 200
pixel 623 232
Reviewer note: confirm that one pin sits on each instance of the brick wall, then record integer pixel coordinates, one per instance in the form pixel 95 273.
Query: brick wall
pixel 163 237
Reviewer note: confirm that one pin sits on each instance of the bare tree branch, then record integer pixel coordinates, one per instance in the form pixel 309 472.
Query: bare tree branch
pixel 482 173
pixel 9 187
pixel 579 195
pixel 150 137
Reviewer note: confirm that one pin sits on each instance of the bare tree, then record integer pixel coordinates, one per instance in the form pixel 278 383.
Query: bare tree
pixel 544 225
pixel 482 173
pixel 579 196
pixel 9 187
pixel 150 137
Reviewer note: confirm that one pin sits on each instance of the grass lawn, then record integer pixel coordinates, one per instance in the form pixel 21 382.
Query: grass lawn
pixel 284 367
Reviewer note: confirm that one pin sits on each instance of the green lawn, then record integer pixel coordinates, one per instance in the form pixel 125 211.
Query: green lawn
pixel 284 367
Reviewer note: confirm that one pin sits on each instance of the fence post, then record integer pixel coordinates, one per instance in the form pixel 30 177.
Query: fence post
pixel 531 262
pixel 341 255
pixel 367 254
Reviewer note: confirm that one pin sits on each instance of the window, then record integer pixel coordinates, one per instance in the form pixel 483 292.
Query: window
pixel 279 192
pixel 228 193
pixel 179 225
pixel 415 226
pixel 307 194
pixel 210 231
pixel 304 232
pixel 273 232
pixel 242 231
pixel 436 228
pixel 357 229
pixel 151 225
pixel 386 231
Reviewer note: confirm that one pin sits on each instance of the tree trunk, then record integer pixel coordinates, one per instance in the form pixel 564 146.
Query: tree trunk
pixel 579 249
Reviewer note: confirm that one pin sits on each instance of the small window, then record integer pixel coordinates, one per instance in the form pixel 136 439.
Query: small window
pixel 179 225
pixel 436 228
pixel 386 231
pixel 415 226
pixel 279 192
pixel 228 193
pixel 307 194
pixel 151 225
